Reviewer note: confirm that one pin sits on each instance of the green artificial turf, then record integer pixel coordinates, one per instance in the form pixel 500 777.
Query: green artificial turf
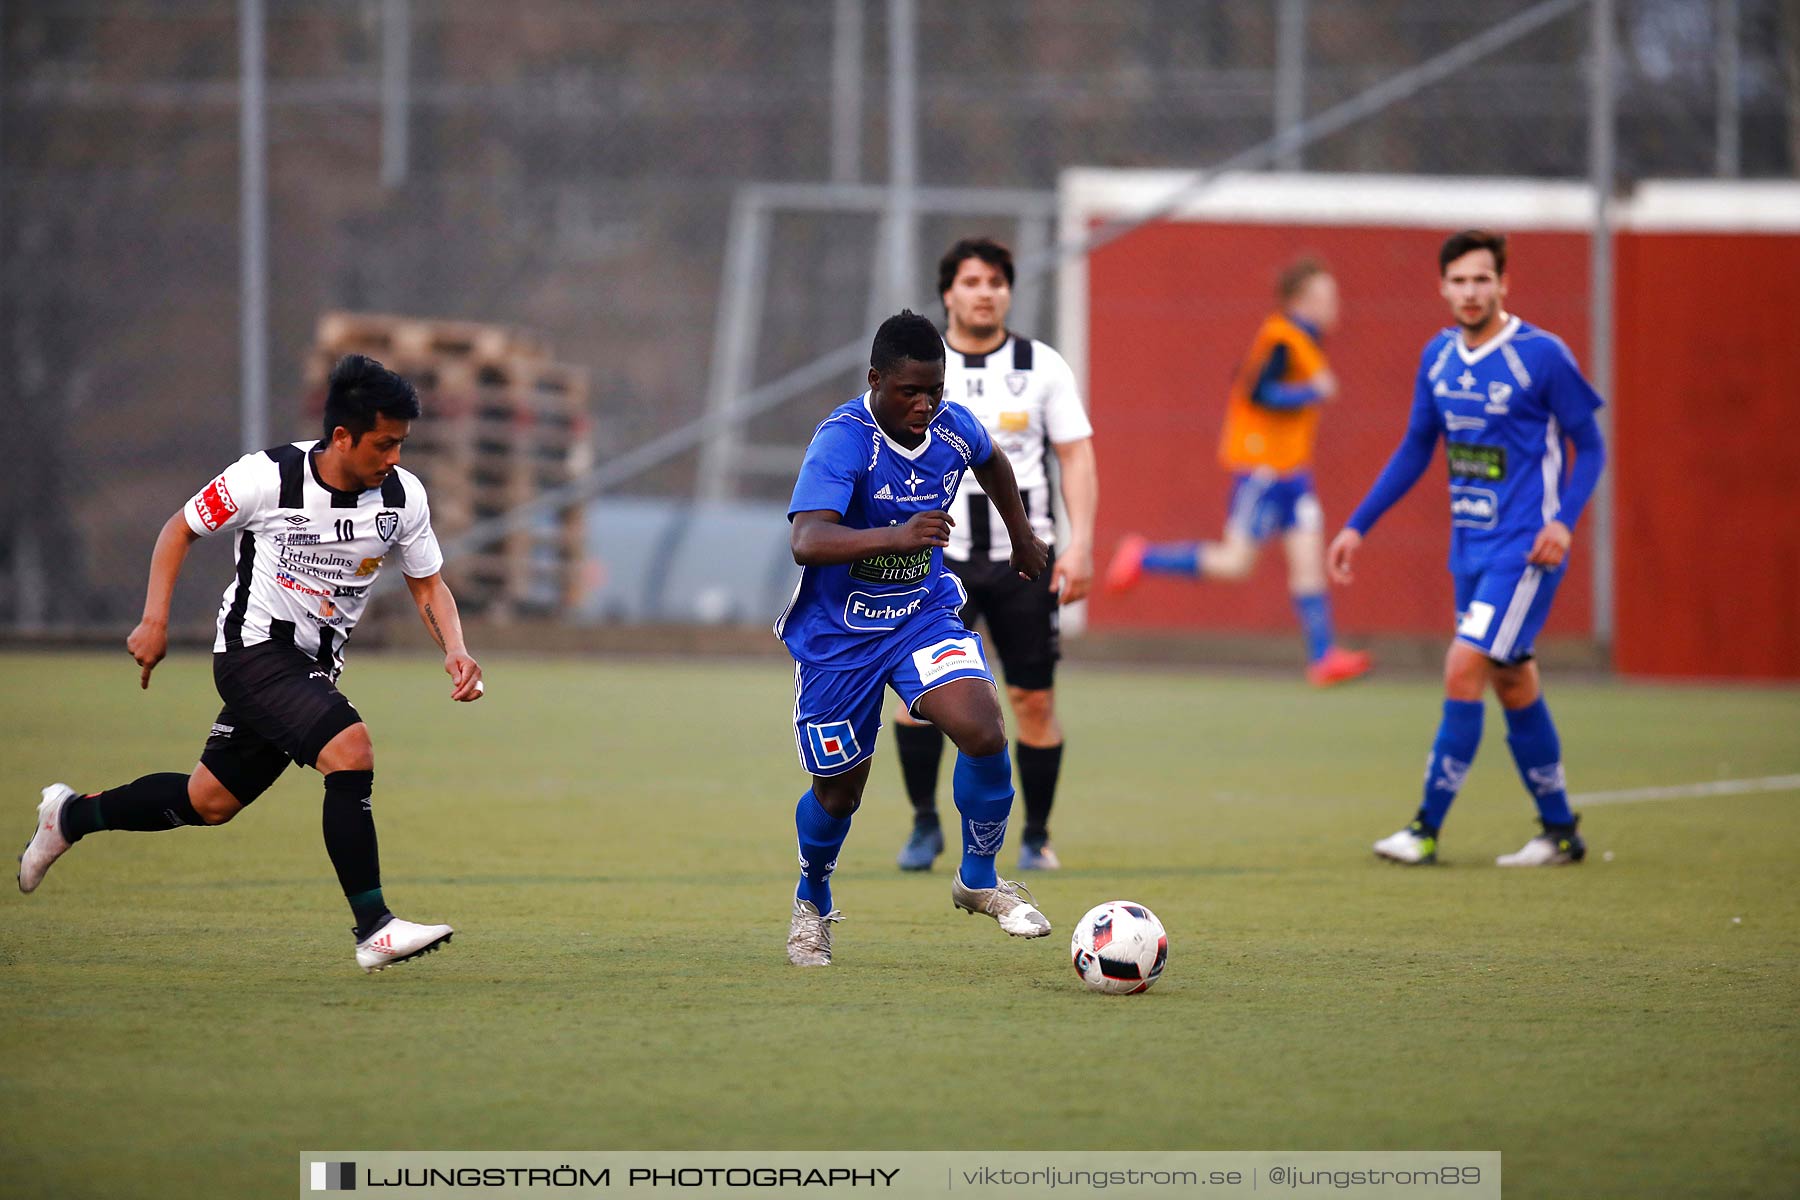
pixel 180 1014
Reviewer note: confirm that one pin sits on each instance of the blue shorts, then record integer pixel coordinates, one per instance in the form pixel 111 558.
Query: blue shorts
pixel 838 713
pixel 1499 610
pixel 1264 504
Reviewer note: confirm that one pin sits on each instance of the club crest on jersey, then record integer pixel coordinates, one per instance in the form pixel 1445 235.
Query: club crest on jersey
pixel 214 506
pixel 387 523
pixel 1016 381
pixel 833 743
pixel 1499 392
pixel 951 479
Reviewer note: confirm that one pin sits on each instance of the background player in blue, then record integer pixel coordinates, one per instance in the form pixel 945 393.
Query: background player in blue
pixel 876 607
pixel 1505 396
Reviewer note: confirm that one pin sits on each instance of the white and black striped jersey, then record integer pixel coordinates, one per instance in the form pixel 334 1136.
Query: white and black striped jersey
pixel 308 554
pixel 1025 394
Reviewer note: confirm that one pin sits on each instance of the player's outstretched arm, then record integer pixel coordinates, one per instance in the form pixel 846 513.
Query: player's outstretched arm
pixel 819 540
pixel 437 608
pixel 1029 556
pixel 149 642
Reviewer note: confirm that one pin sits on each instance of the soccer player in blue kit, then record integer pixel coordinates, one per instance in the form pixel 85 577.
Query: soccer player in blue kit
pixel 1505 396
pixel 876 607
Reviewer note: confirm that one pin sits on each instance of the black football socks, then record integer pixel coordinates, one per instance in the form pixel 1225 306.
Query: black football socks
pixel 349 822
pixel 1039 767
pixel 921 749
pixel 154 802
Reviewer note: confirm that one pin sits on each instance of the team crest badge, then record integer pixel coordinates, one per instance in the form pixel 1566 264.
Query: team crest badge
pixel 387 523
pixel 833 743
pixel 951 479
pixel 1016 381
pixel 1498 394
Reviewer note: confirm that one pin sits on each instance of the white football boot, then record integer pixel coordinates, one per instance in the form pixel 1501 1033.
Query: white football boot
pixel 1557 846
pixel 1412 846
pixel 396 941
pixel 809 934
pixel 47 842
pixel 1008 903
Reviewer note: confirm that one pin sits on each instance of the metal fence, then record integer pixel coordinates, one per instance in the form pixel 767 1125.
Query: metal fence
pixel 185 186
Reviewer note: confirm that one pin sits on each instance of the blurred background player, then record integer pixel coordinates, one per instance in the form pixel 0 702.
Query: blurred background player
pixel 1271 422
pixel 875 608
pixel 1505 396
pixel 1025 395
pixel 314 523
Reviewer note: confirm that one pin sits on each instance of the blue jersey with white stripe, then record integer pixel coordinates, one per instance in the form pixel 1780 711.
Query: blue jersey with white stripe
pixel 1503 409
pixel 845 614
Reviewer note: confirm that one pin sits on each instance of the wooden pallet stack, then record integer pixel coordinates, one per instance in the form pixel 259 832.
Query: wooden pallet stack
pixel 502 424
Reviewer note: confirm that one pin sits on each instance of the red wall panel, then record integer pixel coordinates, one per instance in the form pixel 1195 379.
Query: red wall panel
pixel 1171 308
pixel 1707 429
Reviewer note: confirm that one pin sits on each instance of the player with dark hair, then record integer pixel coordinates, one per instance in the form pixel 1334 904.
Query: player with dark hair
pixel 1025 395
pixel 875 607
pixel 315 521
pixel 1271 422
pixel 1505 396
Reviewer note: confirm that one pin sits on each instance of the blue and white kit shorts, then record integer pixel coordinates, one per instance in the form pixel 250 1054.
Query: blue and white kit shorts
pixel 1264 504
pixel 1500 609
pixel 837 713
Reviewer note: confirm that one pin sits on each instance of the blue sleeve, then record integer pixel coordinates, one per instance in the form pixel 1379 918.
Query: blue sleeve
pixel 1573 401
pixel 970 428
pixel 1270 392
pixel 1409 460
pixel 1584 473
pixel 837 458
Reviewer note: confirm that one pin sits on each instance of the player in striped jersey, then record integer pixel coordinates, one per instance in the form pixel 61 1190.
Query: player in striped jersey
pixel 1271 423
pixel 1504 396
pixel 1025 395
pixel 313 524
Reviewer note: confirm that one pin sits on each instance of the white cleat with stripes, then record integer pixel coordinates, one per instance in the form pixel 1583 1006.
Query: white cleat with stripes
pixel 397 941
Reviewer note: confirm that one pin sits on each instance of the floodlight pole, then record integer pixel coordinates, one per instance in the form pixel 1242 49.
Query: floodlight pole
pixel 253 231
pixel 903 152
pixel 1600 300
pixel 1290 77
pixel 846 90
pixel 396 85
pixel 1725 59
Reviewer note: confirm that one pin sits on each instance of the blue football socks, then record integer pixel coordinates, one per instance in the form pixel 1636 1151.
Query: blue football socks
pixel 984 795
pixel 1459 734
pixel 821 836
pixel 1170 558
pixel 1315 620
pixel 1538 752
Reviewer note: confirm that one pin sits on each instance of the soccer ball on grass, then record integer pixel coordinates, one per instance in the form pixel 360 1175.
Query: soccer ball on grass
pixel 1119 948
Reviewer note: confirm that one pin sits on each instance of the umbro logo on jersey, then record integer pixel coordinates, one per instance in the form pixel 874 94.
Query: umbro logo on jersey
pixel 297 519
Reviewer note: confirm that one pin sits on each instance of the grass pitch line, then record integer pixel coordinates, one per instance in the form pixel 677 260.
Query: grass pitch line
pixel 1683 791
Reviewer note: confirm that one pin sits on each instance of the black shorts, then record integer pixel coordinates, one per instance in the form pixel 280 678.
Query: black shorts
pixel 280 707
pixel 1021 615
